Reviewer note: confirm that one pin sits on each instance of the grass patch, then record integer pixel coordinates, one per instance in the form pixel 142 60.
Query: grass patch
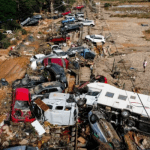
pixel 147 31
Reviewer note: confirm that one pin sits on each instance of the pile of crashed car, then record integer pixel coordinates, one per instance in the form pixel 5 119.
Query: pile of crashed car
pixel 94 115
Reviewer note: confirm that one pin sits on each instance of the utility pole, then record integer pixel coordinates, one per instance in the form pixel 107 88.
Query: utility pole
pixel 52 9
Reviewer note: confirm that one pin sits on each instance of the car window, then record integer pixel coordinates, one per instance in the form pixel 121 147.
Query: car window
pixel 93 93
pixel 122 97
pixel 50 106
pixel 59 108
pixel 67 108
pixel 92 36
pixel 21 104
pixel 34 57
pixel 53 90
pixel 98 38
pixel 44 91
pixel 109 94
pixel 75 114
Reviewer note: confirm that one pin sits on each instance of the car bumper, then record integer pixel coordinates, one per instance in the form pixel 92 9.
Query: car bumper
pixel 22 120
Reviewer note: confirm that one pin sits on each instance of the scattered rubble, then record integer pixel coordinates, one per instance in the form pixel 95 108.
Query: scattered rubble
pixel 53 97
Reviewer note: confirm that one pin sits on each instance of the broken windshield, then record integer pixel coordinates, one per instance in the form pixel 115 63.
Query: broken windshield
pixel 21 105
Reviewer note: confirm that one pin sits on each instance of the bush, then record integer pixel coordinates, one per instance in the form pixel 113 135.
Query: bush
pixel 2 36
pixel 6 44
pixel 24 32
pixel 11 25
pixel 107 5
pixel 39 32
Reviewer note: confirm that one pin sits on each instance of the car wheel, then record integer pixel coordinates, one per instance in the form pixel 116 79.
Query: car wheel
pixel 125 113
pixel 92 25
pixel 81 25
pixel 93 118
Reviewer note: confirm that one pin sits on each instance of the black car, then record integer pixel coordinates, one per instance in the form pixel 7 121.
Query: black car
pixel 70 27
pixel 29 81
pixel 54 72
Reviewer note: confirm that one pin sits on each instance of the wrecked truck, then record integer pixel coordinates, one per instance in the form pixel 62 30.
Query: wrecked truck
pixel 59 109
pixel 122 108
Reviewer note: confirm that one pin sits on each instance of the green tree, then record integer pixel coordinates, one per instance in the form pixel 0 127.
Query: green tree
pixel 7 10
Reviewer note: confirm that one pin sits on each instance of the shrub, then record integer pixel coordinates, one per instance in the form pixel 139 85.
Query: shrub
pixel 6 44
pixel 2 36
pixel 39 32
pixel 107 5
pixel 11 25
pixel 24 32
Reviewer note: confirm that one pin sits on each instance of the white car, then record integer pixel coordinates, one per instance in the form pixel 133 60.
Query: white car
pixel 70 16
pixel 35 57
pixel 88 23
pixel 80 14
pixel 82 19
pixel 95 38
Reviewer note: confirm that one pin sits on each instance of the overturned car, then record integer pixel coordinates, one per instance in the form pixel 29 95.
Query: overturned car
pixel 54 72
pixel 28 81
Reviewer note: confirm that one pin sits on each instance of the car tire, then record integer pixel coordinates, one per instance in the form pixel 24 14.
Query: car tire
pixel 92 25
pixel 93 118
pixel 81 25
pixel 125 113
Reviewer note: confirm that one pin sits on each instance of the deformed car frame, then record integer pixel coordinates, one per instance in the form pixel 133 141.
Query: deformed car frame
pixel 63 109
pixel 55 72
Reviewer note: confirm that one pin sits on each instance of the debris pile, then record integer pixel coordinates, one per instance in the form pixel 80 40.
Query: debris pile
pixel 63 101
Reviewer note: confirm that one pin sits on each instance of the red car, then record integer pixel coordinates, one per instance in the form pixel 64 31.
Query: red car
pixel 79 7
pixel 59 39
pixel 20 106
pixel 66 13
pixel 58 61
